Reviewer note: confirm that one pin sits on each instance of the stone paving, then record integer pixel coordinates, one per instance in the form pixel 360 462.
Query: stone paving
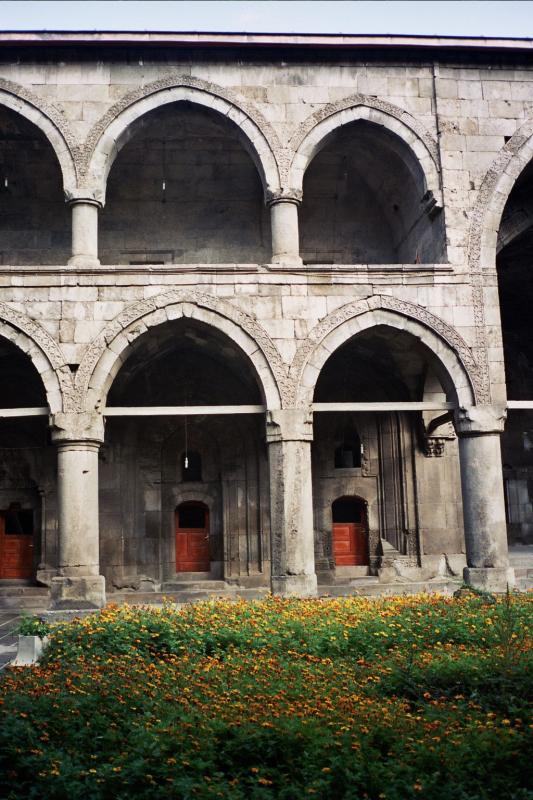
pixel 9 621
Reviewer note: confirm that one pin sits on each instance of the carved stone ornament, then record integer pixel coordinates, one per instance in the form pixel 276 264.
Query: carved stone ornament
pixel 77 427
pixel 434 446
pixel 386 302
pixel 491 202
pixel 137 311
pixel 435 436
pixel 284 196
pixel 168 82
pixel 47 345
pixel 354 100
pixel 53 114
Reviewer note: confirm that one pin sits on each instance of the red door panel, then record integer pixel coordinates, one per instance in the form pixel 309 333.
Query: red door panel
pixel 192 548
pixel 349 544
pixel 16 553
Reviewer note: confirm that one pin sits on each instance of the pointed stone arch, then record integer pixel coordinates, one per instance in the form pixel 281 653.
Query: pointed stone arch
pixel 45 355
pixel 51 122
pixel 314 132
pixel 497 185
pixel 106 354
pixel 485 220
pixel 112 131
pixel 448 347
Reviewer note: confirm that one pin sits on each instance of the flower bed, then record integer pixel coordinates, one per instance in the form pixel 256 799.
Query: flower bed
pixel 420 697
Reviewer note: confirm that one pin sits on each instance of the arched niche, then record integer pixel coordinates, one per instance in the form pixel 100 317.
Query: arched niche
pixel 184 189
pixel 34 219
pixel 366 200
pixel 187 363
pixel 383 363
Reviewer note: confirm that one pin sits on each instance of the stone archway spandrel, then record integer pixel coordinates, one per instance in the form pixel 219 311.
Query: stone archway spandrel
pixel 175 81
pixel 140 311
pixel 436 325
pixel 52 122
pixel 35 336
pixel 369 102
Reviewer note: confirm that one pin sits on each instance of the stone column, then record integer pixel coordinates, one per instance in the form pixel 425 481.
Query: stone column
pixel 479 429
pixel 84 231
pixel 289 435
pixel 284 227
pixel 78 438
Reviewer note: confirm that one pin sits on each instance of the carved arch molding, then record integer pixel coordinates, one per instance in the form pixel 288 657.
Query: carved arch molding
pixel 283 151
pixel 69 392
pixel 489 205
pixel 45 354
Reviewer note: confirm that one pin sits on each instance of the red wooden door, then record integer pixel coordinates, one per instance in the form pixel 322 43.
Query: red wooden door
pixel 350 544
pixel 192 538
pixel 16 550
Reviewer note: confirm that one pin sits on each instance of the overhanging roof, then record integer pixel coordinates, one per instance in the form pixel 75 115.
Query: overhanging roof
pixel 254 40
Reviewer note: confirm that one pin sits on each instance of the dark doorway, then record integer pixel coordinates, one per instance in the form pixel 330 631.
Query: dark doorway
pixel 192 538
pixel 349 533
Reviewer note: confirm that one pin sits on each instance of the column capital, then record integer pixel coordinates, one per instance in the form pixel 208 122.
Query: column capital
pixel 85 196
pixel 284 196
pixel 289 425
pixel 479 420
pixel 86 426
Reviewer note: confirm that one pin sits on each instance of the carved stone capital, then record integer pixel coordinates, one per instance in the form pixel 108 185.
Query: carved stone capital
pixel 479 420
pixel 86 196
pixel 434 447
pixel 289 425
pixel 284 196
pixel 86 426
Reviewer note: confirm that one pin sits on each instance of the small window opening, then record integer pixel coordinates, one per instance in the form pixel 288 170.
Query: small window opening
pixel 17 521
pixel 348 453
pixel 191 466
pixel 191 516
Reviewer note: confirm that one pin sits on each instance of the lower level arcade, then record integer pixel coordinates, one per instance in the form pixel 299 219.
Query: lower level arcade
pixel 184 473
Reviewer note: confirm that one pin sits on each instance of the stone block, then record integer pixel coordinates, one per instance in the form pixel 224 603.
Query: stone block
pixel 294 585
pixel 29 651
pixel 490 579
pixel 77 592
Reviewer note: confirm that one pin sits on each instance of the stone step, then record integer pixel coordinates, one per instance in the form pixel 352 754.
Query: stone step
pixel 30 603
pixel 377 589
pixel 19 590
pixel 194 586
pixel 187 596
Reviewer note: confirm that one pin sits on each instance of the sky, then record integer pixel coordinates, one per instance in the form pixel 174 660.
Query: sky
pixel 443 17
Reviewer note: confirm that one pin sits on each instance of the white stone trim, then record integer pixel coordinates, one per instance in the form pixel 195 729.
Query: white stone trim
pixel 450 350
pixel 112 131
pixel 313 133
pixel 106 354
pixel 44 353
pixel 50 121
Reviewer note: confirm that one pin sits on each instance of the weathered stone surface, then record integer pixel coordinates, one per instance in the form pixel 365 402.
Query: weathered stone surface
pixel 255 219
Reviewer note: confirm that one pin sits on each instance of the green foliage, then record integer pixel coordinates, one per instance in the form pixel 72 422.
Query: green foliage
pixel 340 700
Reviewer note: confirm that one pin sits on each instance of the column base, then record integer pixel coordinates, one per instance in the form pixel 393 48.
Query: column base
pixel 87 591
pixel 294 585
pixel 286 261
pixel 83 261
pixel 490 579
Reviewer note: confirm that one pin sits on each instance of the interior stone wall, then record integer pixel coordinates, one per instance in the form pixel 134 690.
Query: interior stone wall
pixel 184 190
pixel 141 486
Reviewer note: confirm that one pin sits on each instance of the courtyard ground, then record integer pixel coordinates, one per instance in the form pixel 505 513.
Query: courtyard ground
pixel 418 696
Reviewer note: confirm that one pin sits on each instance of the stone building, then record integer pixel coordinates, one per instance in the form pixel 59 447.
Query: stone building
pixel 264 310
